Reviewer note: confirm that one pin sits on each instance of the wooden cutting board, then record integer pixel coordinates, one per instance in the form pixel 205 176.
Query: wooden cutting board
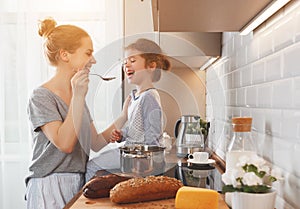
pixel 105 203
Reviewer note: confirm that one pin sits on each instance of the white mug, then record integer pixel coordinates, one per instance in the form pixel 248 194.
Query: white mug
pixel 200 156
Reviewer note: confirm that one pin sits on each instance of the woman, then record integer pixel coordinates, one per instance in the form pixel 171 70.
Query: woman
pixel 61 125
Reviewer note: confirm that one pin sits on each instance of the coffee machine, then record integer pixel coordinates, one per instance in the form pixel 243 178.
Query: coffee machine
pixel 189 138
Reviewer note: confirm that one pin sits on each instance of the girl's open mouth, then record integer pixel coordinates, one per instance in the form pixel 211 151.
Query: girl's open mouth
pixel 129 73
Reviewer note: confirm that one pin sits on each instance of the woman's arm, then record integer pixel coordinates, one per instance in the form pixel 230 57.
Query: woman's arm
pixel 64 135
pixel 98 141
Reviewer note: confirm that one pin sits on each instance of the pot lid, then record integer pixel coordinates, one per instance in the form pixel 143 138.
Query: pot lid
pixel 139 149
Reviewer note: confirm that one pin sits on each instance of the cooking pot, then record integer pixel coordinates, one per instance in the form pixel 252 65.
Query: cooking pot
pixel 142 160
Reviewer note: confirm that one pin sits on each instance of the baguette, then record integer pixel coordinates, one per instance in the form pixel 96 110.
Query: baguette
pixel 145 189
pixel 99 186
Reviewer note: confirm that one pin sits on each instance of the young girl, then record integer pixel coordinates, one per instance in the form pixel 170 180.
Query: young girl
pixel 143 64
pixel 61 125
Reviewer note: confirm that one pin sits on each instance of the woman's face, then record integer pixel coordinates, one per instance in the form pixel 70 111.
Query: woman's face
pixel 83 57
pixel 135 67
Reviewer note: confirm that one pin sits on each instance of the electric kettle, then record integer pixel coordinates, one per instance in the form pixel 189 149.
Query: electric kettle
pixel 189 138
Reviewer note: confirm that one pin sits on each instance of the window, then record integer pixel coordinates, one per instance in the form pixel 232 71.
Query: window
pixel 23 68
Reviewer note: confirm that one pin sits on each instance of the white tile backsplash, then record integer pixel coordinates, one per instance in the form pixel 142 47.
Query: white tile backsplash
pixel 291 61
pixel 297 31
pixel 241 57
pixel 295 158
pixel 262 80
pixel 252 50
pixel 251 96
pixel 231 97
pixel 259 121
pixel 282 95
pixel 282 153
pixel 290 123
pixel 296 91
pixel 246 75
pixel 241 97
pixel 246 39
pixel 258 72
pixel 237 42
pixel 229 83
pixel 266 43
pixel 273 67
pixel 273 122
pixel 266 148
pixel 264 93
pixel 236 79
pixel 284 33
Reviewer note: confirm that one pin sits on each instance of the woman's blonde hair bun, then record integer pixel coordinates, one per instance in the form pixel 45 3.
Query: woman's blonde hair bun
pixel 46 26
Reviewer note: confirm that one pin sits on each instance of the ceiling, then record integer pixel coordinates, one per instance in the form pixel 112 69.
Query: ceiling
pixel 204 15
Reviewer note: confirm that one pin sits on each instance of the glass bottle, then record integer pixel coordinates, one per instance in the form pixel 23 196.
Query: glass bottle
pixel 241 142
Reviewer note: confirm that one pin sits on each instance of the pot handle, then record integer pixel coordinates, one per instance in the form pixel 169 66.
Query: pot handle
pixel 177 127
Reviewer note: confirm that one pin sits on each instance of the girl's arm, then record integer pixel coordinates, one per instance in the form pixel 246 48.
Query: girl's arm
pixel 106 136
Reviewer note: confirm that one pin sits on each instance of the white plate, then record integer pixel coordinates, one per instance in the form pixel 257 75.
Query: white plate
pixel 209 161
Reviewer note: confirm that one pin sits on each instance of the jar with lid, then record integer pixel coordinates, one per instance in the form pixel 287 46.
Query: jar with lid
pixel 241 143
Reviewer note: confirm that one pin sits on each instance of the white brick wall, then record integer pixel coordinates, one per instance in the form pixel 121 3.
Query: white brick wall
pixel 260 77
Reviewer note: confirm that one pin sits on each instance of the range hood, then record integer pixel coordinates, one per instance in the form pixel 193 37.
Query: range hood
pixel 190 49
pixel 204 15
pixel 187 49
pixel 190 31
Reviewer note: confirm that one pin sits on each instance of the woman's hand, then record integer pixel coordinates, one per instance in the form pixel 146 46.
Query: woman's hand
pixel 80 82
pixel 116 135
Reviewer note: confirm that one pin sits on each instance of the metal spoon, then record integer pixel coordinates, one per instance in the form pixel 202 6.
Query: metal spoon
pixel 103 78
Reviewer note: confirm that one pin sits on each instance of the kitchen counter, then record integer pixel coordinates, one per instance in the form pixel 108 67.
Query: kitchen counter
pixel 105 203
pixel 204 176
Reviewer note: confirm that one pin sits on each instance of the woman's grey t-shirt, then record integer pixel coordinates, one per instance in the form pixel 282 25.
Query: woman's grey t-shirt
pixel 44 106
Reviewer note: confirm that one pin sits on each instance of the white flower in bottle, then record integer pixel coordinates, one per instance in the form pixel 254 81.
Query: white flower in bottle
pixel 237 173
pixel 251 175
pixel 251 179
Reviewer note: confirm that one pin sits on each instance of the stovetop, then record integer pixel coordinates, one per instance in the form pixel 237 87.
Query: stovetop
pixel 203 176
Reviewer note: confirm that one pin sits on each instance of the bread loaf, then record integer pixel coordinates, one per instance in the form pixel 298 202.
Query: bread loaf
pixel 145 189
pixel 99 186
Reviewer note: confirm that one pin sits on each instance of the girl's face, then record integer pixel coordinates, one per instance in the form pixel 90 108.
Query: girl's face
pixel 135 67
pixel 83 57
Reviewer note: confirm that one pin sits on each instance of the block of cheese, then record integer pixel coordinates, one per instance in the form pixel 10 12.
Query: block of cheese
pixel 196 198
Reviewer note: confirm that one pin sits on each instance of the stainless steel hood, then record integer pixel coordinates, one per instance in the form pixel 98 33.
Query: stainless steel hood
pixel 204 15
pixel 193 24
pixel 202 22
pixel 187 49
pixel 190 49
